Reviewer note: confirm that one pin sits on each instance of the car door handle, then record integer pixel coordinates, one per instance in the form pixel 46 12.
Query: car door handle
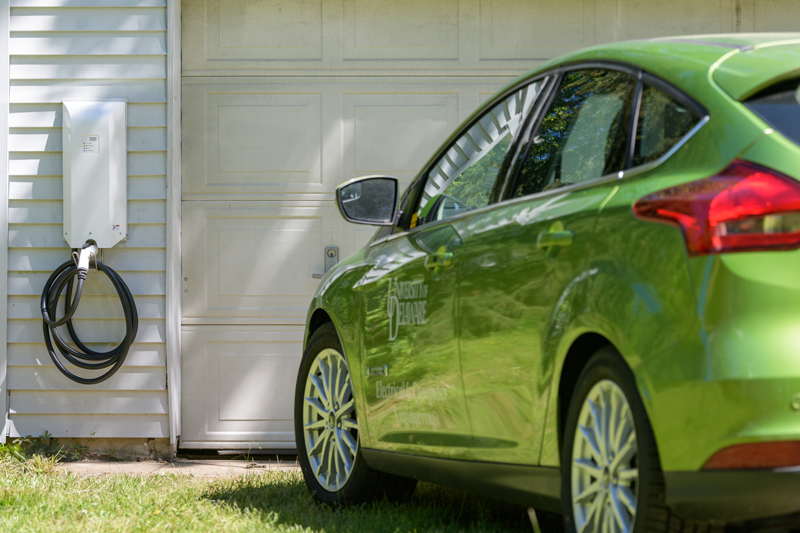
pixel 439 260
pixel 555 238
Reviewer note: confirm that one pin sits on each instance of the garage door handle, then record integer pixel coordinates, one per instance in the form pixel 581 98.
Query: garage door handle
pixel 555 238
pixel 439 260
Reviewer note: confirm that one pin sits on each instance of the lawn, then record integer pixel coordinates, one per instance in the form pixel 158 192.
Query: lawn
pixel 39 498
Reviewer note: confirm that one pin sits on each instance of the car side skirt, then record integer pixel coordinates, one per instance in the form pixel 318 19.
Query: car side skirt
pixel 534 486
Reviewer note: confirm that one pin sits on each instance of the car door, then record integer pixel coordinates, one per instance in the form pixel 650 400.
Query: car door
pixel 414 394
pixel 522 261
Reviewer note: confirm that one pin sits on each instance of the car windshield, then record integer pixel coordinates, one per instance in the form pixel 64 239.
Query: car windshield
pixel 779 106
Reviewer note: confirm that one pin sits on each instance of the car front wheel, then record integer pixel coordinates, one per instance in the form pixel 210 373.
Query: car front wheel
pixel 327 430
pixel 611 474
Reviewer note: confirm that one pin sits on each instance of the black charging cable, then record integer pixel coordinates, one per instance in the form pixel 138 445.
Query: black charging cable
pixel 84 357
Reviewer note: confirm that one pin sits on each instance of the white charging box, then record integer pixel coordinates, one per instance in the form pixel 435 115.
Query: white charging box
pixel 95 173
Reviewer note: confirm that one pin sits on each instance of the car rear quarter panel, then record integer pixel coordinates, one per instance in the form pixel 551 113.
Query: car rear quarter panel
pixel 642 294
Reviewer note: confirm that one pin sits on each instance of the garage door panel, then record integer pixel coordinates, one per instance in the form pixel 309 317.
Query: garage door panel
pixel 247 140
pixel 267 30
pixel 535 29
pixel 395 133
pixel 254 262
pixel 642 20
pixel 238 385
pixel 381 29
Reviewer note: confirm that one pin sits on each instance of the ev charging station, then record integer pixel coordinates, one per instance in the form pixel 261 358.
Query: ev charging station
pixel 95 217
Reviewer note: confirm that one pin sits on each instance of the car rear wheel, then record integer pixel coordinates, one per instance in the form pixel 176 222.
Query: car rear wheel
pixel 327 430
pixel 611 474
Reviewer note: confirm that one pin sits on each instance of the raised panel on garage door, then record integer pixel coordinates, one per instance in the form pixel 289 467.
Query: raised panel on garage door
pixel 238 385
pixel 254 263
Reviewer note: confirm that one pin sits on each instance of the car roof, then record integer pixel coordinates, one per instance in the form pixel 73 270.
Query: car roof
pixel 743 62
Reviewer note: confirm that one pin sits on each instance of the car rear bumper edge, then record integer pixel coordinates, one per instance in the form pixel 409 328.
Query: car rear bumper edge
pixel 736 495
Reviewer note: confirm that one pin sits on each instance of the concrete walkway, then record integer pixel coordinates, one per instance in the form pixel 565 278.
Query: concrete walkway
pixel 201 468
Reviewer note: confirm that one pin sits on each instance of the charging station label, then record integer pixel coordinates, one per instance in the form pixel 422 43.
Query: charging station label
pixel 90 144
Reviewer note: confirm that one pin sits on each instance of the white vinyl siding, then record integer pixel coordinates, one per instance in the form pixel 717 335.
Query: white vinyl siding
pixel 87 49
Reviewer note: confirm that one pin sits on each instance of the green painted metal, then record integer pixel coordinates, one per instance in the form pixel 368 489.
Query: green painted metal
pixel 458 331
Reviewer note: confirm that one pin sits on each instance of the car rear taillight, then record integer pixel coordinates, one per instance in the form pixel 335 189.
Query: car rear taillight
pixel 756 455
pixel 746 207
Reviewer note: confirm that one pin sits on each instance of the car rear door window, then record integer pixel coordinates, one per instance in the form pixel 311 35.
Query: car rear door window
pixel 663 121
pixel 779 106
pixel 582 135
pixel 464 177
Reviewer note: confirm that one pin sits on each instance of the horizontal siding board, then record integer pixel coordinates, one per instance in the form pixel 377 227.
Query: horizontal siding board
pixel 88 3
pixel 34 164
pixel 109 43
pixel 147 187
pixel 50 188
pixel 35 354
pixel 27 307
pixel 147 163
pixel 147 139
pixel 139 283
pixel 52 212
pixel 121 259
pixel 34 91
pixel 89 330
pixel 87 67
pixel 50 163
pixel 96 426
pixel 51 235
pixel 88 402
pixel 40 19
pixel 50 139
pixel 49 115
pixel 50 378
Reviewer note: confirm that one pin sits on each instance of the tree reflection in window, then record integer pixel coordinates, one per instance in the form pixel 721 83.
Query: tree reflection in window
pixel 582 136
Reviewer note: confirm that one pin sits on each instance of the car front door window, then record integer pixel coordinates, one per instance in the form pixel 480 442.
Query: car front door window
pixel 465 175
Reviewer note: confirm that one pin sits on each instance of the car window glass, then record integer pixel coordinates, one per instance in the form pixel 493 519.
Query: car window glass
pixel 662 123
pixel 464 177
pixel 582 135
pixel 779 106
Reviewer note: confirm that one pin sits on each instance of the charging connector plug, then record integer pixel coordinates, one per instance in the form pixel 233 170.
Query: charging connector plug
pixel 84 259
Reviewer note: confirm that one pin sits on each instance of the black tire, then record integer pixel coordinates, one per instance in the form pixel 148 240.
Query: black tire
pixel 652 514
pixel 364 484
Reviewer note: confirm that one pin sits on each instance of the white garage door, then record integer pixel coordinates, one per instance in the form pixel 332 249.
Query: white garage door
pixel 282 101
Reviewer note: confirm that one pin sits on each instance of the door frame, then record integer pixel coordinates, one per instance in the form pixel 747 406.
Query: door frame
pixel 173 266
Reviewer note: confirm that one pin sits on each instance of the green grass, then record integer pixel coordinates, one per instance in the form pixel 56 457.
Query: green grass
pixel 33 499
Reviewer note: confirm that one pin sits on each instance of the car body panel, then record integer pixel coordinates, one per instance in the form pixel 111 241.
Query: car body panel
pixel 745 72
pixel 507 297
pixel 414 395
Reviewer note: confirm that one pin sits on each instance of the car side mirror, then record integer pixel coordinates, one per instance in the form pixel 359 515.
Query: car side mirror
pixel 369 200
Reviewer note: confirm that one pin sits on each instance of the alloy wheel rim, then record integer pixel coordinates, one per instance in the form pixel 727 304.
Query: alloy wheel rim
pixel 330 428
pixel 605 473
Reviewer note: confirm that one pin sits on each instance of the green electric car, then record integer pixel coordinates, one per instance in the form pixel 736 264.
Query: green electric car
pixel 587 302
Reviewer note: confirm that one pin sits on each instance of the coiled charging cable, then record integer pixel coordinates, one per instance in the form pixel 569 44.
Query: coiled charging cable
pixel 84 357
